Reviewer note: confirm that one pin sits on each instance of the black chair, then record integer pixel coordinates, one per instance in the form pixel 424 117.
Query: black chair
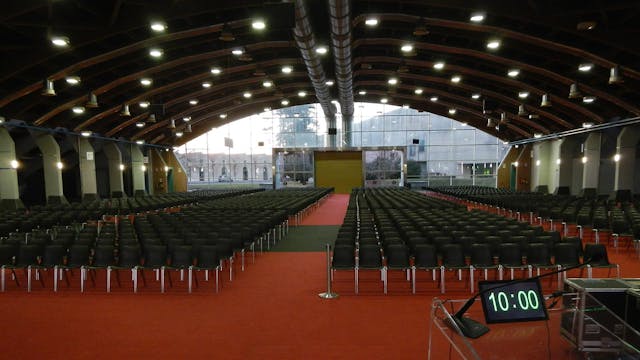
pixel 155 258
pixel 207 259
pixel 181 259
pixel 539 257
pixel 453 260
pixel 565 256
pixel 397 257
pixel 7 258
pixel 481 258
pixel 510 257
pixel 27 258
pixel 128 259
pixel 344 259
pixel 103 259
pixel 599 252
pixel 370 258
pixel 53 258
pixel 424 258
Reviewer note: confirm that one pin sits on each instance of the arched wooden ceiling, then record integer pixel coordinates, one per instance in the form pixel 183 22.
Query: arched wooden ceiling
pixel 110 42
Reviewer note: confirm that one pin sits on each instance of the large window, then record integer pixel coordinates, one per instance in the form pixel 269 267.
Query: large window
pixel 438 150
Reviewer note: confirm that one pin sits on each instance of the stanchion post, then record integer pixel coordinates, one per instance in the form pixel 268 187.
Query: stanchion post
pixel 328 294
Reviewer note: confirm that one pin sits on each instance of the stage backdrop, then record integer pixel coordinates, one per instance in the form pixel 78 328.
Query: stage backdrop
pixel 341 170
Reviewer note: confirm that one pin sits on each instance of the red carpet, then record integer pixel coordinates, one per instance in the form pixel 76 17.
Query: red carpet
pixel 330 212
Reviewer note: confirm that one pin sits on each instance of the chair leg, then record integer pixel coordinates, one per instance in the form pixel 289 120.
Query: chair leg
pixel 190 275
pixel 55 278
pixel 162 279
pixel 471 277
pixel 355 272
pixel 413 279
pixel 108 279
pixel 2 279
pixel 217 277
pixel 384 279
pixel 29 278
pixel 83 275
pixel 134 278
pixel 442 279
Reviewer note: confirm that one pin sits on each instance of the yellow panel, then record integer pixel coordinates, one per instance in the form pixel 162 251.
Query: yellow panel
pixel 341 170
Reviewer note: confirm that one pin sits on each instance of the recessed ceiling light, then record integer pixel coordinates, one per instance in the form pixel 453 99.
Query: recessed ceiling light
pixel 223 116
pixel 246 95
pixel 406 48
pixel 537 135
pixel 456 79
pixel 321 50
pixel 186 118
pixel 433 98
pixel 302 93
pixel 418 91
pixel 523 94
pixel 237 51
pixel 60 41
pixel 452 111
pixel 477 17
pixel 439 65
pixel 216 70
pixel 384 100
pixel 392 81
pixel 284 102
pixel 146 81
pixel 155 52
pixel 266 109
pixel 140 124
pixel 287 69
pixel 362 92
pixel 329 82
pixel 258 24
pixel 72 80
pixel 513 72
pixel 371 21
pixel 140 142
pixel 158 26
pixel 78 109
pixel 193 101
pixel 267 83
pixel 587 124
pixel 584 67
pixel 206 85
pixel 588 99
pixel 616 157
pixel 493 44
pixel 475 96
pixel 179 134
pixel 144 104
pixel 586 25
pixel 85 133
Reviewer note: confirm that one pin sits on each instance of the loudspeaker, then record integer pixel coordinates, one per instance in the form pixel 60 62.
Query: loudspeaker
pixel 333 131
pixel 416 141
pixel 260 143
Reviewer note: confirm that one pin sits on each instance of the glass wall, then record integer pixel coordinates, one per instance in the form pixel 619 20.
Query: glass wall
pixel 436 150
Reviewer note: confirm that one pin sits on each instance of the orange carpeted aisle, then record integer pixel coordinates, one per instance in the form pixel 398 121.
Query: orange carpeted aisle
pixel 330 212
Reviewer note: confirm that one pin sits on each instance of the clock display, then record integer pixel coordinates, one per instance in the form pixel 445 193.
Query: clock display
pixel 512 301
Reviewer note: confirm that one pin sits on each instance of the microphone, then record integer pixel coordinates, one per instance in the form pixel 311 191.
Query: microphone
pixel 474 329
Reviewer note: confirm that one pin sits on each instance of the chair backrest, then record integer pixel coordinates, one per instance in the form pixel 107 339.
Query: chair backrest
pixel 103 256
pixel 78 255
pixel 481 255
pixel 369 256
pixel 510 254
pixel 7 254
pixel 452 256
pixel 596 251
pixel 538 254
pixel 566 254
pixel 182 256
pixel 343 257
pixel 207 257
pixel 425 256
pixel 129 256
pixel 53 255
pixel 155 256
pixel 397 256
pixel 28 255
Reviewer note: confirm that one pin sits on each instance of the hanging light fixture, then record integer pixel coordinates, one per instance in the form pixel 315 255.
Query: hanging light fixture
pixel 48 88
pixel 151 119
pixel 503 117
pixel 92 102
pixel 545 101
pixel 521 110
pixel 172 124
pixel 421 28
pixel 614 75
pixel 187 128
pixel 574 93
pixel 125 110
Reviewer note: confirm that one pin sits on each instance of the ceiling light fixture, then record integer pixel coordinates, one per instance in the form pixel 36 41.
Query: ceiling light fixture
pixel 146 82
pixel 406 48
pixel 287 69
pixel 144 104
pixel 322 50
pixel 140 124
pixel 48 90
pixel 158 26
pixel 493 44
pixel 237 51
pixel 14 164
pixel 267 83
pixel 392 81
pixel 588 99
pixel 172 124
pixel 418 91
pixel 206 85
pixel 186 118
pixel 362 92
pixel 247 95
pixel 226 34
pixel 85 133
pixel 574 92
pixel 545 101
pixel 156 53
pixel 223 116
pixel 475 96
pixel 521 110
pixel 125 110
pixel 585 67
pixel 179 134
pixel 72 80
pixel 477 17
pixel 537 135
pixel 140 142
pixel 216 70
pixel 456 79
pixel 187 128
pixel 151 119
pixel 258 24
pixel 284 102
pixel 523 94
pixel 193 102
pixel 616 157
pixel 513 73
pixel 60 41
pixel 371 21
pixel 384 100
pixel 329 82
pixel 452 111
pixel 78 109
pixel 433 98
pixel 614 75
pixel 439 65
pixel 92 102
pixel 302 93
pixel 587 124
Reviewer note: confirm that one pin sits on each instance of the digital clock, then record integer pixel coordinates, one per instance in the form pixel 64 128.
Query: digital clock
pixel 512 301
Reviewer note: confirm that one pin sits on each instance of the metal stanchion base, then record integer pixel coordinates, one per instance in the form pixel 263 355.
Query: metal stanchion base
pixel 328 295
